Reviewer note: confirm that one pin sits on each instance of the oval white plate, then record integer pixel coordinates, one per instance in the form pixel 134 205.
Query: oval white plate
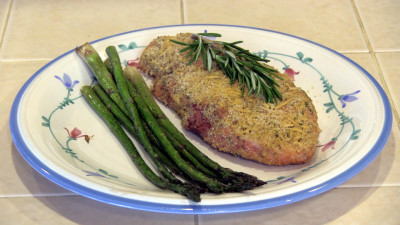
pixel 354 115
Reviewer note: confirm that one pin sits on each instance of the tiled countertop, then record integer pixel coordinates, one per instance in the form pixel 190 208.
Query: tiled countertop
pixel 35 32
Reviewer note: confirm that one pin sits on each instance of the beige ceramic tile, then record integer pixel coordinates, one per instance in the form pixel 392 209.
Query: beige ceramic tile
pixel 338 206
pixel 17 177
pixel 46 29
pixel 382 23
pixel 389 64
pixel 4 6
pixel 331 23
pixel 78 210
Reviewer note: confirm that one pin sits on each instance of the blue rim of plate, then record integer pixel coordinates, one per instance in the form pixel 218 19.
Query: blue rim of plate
pixel 195 208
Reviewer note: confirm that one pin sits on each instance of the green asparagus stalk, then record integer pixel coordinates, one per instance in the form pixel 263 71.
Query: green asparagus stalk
pixel 134 76
pixel 159 159
pixel 177 145
pixel 116 111
pixel 134 115
pixel 188 156
pixel 92 59
pixel 107 116
pixel 152 138
pixel 127 123
pixel 129 99
pixel 174 154
pixel 172 139
pixel 164 159
pixel 108 65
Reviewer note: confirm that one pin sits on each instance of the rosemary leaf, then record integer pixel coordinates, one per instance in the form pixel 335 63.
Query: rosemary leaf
pixel 258 87
pixel 253 80
pixel 213 55
pixel 210 34
pixel 190 53
pixel 205 60
pixel 209 58
pixel 180 42
pixel 277 94
pixel 247 82
pixel 191 60
pixel 230 54
pixel 185 48
pixel 198 50
pixel 236 42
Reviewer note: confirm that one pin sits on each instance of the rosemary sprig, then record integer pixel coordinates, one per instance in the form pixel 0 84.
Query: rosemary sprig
pixel 236 63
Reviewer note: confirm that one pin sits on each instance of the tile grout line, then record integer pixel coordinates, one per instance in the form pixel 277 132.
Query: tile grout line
pixel 3 34
pixel 25 60
pixel 182 4
pixel 367 51
pixel 39 195
pixel 374 58
pixel 368 186
pixel 388 51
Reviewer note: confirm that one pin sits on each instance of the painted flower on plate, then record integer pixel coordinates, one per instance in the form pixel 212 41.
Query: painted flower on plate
pixel 290 72
pixel 133 62
pixel 66 80
pixel 348 98
pixel 76 133
pixel 95 174
pixel 291 179
pixel 330 144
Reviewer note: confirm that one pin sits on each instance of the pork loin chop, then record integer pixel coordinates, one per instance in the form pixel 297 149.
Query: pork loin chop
pixel 272 134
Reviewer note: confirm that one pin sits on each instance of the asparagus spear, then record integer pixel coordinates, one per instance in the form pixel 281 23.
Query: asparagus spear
pixel 157 143
pixel 175 143
pixel 133 75
pixel 188 156
pixel 159 159
pixel 107 116
pixel 129 98
pixel 116 111
pixel 108 65
pixel 94 62
pixel 134 115
pixel 152 138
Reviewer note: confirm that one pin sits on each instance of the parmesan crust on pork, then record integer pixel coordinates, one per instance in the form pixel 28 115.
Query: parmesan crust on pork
pixel 272 134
